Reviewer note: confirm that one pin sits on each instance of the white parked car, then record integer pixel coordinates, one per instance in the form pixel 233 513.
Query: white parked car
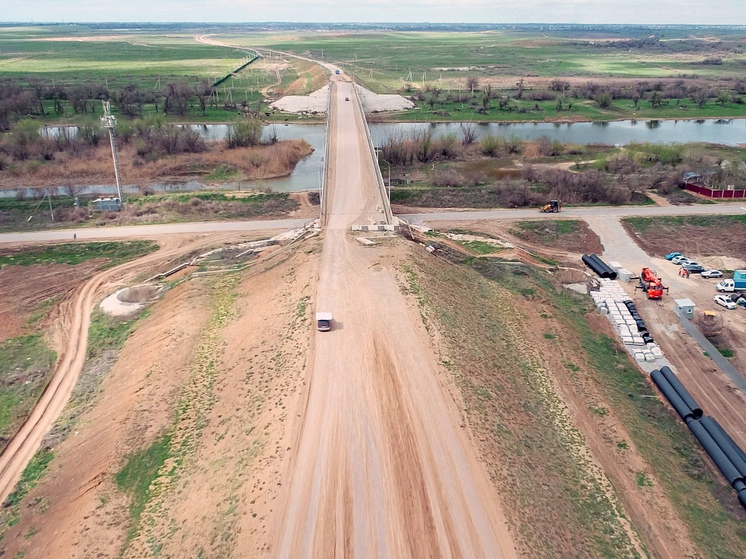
pixel 724 301
pixel 680 260
pixel 712 274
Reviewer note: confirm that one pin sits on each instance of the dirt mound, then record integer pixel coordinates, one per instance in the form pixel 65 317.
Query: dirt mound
pixel 139 293
pixel 723 263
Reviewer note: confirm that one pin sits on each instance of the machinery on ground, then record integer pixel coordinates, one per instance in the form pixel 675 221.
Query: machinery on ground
pixel 553 207
pixel 651 284
pixel 710 323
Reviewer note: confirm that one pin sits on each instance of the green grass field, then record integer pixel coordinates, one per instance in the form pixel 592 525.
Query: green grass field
pixel 383 61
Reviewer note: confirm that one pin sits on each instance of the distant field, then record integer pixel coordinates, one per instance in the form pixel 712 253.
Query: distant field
pixel 383 60
pixel 118 59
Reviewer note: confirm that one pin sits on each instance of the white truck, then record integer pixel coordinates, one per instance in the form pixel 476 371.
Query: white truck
pixel 324 321
pixel 738 283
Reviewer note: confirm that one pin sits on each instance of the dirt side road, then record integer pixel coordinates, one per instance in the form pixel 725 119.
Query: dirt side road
pixel 75 313
pixel 707 384
pixel 381 467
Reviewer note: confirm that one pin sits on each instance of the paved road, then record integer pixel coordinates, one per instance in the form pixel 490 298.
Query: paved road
pixel 96 233
pixel 579 212
pixel 151 231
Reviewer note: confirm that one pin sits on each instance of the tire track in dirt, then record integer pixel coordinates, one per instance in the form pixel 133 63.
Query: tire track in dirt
pixel 380 467
pixel 75 316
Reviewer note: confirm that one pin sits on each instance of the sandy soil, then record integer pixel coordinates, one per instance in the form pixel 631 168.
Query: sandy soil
pixel 85 515
pixel 24 288
pixel 380 468
pixel 316 102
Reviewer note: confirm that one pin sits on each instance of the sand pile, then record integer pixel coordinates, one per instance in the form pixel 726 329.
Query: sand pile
pixel 316 102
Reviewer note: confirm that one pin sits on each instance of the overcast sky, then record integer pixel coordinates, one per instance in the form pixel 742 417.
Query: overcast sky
pixel 732 12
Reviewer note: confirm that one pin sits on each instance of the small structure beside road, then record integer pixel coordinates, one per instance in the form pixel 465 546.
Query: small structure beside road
pixel 684 308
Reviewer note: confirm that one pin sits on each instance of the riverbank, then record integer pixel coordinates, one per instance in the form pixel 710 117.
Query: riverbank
pixel 93 165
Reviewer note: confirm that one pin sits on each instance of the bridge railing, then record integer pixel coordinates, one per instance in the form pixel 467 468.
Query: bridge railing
pixel 371 149
pixel 327 155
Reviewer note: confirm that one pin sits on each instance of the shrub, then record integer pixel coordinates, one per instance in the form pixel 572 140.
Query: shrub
pixel 244 133
pixel 491 145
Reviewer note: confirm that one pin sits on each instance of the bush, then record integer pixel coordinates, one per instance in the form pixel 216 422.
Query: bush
pixel 491 145
pixel 244 133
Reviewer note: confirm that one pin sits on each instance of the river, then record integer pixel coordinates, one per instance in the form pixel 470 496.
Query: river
pixel 307 173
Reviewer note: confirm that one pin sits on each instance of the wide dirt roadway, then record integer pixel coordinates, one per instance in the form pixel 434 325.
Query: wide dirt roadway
pixel 381 467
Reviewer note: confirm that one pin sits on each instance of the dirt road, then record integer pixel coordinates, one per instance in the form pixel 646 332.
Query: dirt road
pixel 708 384
pixel 381 467
pixel 75 314
pixel 577 212
pixel 151 231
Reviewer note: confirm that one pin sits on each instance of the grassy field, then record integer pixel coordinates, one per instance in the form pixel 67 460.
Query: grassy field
pixel 383 61
pixel 161 208
pixel 75 253
pixel 506 309
pixel 25 364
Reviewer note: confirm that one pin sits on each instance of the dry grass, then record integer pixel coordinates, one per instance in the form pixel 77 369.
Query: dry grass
pixel 94 165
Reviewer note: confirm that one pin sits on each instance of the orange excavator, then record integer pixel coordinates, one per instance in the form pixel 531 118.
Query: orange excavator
pixel 651 284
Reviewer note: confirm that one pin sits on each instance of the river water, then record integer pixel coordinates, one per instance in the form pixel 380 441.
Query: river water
pixel 307 174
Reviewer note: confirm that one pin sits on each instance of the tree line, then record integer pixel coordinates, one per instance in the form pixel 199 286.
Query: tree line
pixel 656 93
pixel 176 98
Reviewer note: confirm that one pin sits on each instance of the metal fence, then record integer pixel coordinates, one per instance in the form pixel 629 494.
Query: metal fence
pixel 714 354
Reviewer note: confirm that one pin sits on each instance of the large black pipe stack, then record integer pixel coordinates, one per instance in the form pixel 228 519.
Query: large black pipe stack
pixel 726 444
pixel 598 266
pixel 682 392
pixel 679 404
pixel 598 270
pixel 611 273
pixel 712 423
pixel 724 452
pixel 727 468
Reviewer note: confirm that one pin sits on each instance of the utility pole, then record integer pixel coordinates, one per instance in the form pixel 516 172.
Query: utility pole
pixel 109 122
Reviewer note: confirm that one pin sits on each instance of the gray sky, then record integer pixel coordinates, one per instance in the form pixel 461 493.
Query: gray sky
pixel 731 12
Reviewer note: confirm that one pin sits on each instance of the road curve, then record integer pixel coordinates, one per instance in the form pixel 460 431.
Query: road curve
pixel 75 314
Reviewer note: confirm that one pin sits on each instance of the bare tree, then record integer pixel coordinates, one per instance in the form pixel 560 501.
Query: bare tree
pixel 472 83
pixel 177 96
pixel 203 91
pixel 468 133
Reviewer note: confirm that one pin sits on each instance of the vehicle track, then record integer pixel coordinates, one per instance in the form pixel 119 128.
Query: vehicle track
pixel 75 316
pixel 381 467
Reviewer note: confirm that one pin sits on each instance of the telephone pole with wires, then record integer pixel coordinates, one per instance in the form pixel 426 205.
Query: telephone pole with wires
pixel 109 122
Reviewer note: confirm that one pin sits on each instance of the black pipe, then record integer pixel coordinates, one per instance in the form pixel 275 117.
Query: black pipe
pixel 681 391
pixel 731 449
pixel 593 265
pixel 608 270
pixel 612 272
pixel 725 466
pixel 684 411
pixel 725 434
pixel 742 498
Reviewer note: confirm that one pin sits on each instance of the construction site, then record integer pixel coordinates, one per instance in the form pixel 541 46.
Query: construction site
pixel 505 383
